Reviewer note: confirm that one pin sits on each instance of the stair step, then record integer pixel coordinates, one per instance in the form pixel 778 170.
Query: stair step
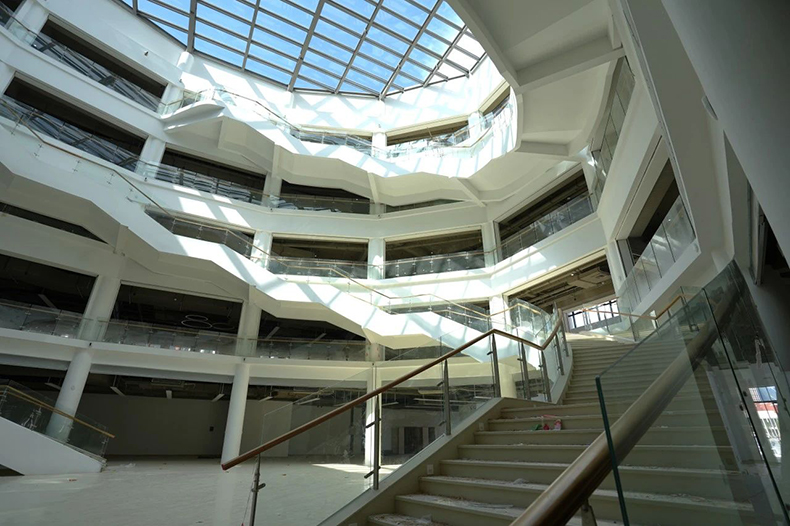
pixel 707 483
pixel 595 421
pixel 697 435
pixel 693 457
pixel 391 519
pixel 679 403
pixel 616 388
pixel 642 507
pixel 455 511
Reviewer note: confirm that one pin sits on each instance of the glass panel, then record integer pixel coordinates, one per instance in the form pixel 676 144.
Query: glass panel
pixel 719 413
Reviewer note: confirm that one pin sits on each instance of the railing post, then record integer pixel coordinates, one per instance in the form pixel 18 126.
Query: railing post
pixel 495 364
pixel 524 370
pixel 545 372
pixel 376 441
pixel 448 426
pixel 256 487
pixel 588 516
pixel 559 353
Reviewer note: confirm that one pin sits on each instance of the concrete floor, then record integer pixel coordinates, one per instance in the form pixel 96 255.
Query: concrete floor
pixel 180 492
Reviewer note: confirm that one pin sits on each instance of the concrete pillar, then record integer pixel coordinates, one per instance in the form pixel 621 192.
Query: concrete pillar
pixel 263 242
pixel 475 123
pixel 238 403
pixel 739 52
pixel 376 256
pixel 377 208
pixel 172 94
pixel 151 156
pixel 249 324
pixel 374 352
pixel 99 308
pixel 273 185
pixel 29 19
pixel 508 382
pixel 490 243
pixel 70 394
pixel 379 140
pixel 6 76
pixel 185 61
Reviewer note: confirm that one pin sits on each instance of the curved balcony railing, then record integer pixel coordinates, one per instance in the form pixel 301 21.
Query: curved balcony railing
pixel 376 298
pixel 65 324
pixel 78 62
pixel 439 145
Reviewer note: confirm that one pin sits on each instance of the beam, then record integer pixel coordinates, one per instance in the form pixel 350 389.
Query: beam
pixel 546 149
pixel 575 60
pixel 468 188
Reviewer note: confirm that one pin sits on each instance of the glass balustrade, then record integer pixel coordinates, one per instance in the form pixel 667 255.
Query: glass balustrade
pixel 80 63
pixel 674 235
pixel 331 268
pixel 438 145
pixel 705 381
pixel 435 264
pixel 550 224
pixel 36 412
pixel 42 320
pixel 40 122
pixel 623 85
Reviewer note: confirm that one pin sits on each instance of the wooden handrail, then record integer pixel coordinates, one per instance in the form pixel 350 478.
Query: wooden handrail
pixel 24 396
pixel 364 398
pixel 561 500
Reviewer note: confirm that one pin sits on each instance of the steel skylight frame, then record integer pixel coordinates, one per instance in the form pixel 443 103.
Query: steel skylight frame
pixel 256 37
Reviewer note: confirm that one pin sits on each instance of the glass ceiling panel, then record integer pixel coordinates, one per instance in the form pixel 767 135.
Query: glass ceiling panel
pixel 367 47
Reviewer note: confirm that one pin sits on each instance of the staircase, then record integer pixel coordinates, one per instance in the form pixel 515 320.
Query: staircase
pixel 683 471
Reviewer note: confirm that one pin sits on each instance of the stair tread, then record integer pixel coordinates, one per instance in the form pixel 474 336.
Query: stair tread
pixel 594 430
pixel 538 418
pixel 671 447
pixel 392 519
pixel 518 464
pixel 676 499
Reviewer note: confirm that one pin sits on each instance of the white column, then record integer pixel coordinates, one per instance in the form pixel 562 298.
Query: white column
pixel 500 319
pixel 377 208
pixel 490 245
pixel 151 155
pixel 273 185
pixel 70 394
pixel 249 324
pixel 376 253
pixel 379 140
pixel 238 402
pixel 99 308
pixel 172 94
pixel 508 382
pixel 185 61
pixel 374 352
pixel 32 15
pixel 6 76
pixel 475 123
pixel 263 241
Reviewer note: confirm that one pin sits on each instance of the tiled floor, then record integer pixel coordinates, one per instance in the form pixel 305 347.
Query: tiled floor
pixel 180 492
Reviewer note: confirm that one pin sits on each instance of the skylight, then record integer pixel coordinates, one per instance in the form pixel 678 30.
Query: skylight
pixel 364 47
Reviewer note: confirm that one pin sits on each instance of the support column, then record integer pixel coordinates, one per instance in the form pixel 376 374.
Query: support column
pixel 379 140
pixel 172 94
pixel 377 208
pixel 374 352
pixel 500 319
pixel 490 244
pixel 376 255
pixel 263 241
pixel 70 394
pixel 99 309
pixel 238 403
pixel 6 76
pixel 151 156
pixel 249 324
pixel 507 382
pixel 31 16
pixel 475 123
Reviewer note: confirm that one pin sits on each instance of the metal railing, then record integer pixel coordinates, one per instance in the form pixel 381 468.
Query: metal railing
pixel 548 225
pixel 674 235
pixel 20 116
pixel 78 62
pixel 715 343
pixel 447 392
pixel 38 413
pixel 623 85
pixel 435 264
pixel 65 324
pixel 439 145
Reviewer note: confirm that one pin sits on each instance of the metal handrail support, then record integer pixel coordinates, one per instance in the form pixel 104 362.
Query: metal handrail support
pixel 448 426
pixel 561 500
pixel 495 365
pixel 524 371
pixel 364 398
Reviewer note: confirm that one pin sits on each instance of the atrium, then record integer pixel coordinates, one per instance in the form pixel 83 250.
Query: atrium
pixel 393 262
